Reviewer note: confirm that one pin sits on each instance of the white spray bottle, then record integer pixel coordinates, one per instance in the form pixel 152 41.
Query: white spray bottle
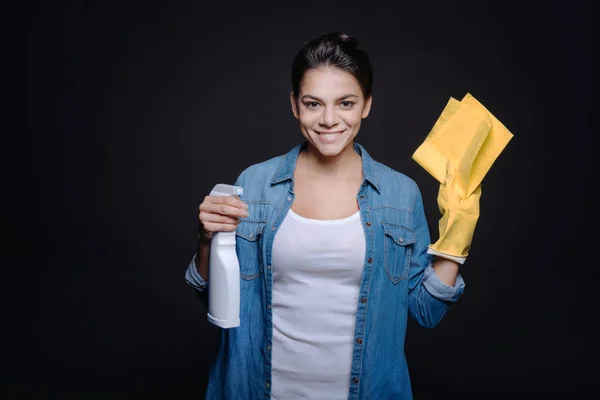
pixel 224 272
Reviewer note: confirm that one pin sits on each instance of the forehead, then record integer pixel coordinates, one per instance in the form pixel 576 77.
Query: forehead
pixel 329 82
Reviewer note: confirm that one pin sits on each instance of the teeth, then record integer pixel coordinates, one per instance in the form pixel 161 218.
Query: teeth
pixel 328 136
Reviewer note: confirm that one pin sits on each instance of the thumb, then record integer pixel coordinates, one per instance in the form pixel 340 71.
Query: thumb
pixel 449 173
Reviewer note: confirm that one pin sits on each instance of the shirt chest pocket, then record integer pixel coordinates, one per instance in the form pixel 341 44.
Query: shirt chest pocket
pixel 248 246
pixel 397 251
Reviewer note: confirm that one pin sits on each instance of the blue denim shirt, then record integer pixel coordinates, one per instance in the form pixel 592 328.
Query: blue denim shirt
pixel 398 280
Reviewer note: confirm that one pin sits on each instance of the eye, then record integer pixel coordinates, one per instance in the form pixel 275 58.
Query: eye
pixel 311 104
pixel 347 104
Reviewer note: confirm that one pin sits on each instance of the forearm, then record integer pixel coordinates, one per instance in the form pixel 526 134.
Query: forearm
pixel 202 258
pixel 431 297
pixel 446 270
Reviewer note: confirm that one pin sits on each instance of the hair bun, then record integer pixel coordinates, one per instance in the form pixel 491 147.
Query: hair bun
pixel 347 39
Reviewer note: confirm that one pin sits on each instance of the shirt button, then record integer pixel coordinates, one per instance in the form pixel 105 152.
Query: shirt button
pixel 268 306
pixel 370 260
pixel 359 341
pixel 289 198
pixel 363 300
pixel 355 380
pixel 269 348
pixel 368 223
pixel 273 228
pixel 268 267
pixel 268 385
pixel 401 240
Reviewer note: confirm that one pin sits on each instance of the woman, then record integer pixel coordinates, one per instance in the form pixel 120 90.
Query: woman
pixel 333 250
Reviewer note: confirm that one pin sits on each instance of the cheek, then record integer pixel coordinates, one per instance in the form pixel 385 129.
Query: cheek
pixel 308 118
pixel 354 118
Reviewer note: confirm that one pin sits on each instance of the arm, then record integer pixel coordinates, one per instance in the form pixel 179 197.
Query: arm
pixel 196 274
pixel 195 280
pixel 446 270
pixel 456 227
pixel 435 282
pixel 202 256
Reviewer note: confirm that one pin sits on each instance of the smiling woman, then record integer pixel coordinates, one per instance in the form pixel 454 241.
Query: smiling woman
pixel 333 248
pixel 332 84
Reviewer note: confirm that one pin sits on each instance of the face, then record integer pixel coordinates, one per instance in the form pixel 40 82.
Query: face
pixel 330 107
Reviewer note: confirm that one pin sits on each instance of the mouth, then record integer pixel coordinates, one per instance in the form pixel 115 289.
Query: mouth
pixel 329 136
pixel 329 132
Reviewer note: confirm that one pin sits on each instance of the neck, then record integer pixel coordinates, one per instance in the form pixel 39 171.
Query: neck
pixel 339 167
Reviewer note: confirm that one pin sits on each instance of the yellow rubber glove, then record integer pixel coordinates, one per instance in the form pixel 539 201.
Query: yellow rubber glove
pixel 458 152
pixel 459 217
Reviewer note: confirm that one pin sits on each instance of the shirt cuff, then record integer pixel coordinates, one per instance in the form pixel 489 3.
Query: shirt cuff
pixel 193 278
pixel 460 260
pixel 439 289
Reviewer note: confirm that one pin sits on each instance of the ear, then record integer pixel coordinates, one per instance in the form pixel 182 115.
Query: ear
pixel 367 107
pixel 294 105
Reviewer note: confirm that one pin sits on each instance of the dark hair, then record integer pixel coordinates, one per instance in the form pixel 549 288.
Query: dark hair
pixel 335 49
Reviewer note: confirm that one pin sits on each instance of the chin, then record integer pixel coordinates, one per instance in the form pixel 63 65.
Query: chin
pixel 330 149
pixel 329 152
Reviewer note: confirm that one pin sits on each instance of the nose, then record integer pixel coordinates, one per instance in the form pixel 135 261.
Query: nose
pixel 329 117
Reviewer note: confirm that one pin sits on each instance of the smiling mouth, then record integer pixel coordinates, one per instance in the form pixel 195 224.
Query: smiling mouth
pixel 330 137
pixel 330 133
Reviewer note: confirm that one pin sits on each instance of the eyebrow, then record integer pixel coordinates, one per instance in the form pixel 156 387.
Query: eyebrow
pixel 344 97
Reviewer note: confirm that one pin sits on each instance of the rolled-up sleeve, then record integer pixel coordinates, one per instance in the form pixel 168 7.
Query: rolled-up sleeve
pixel 438 289
pixel 432 298
pixel 193 278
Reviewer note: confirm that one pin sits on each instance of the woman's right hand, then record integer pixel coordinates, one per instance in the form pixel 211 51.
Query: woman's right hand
pixel 220 214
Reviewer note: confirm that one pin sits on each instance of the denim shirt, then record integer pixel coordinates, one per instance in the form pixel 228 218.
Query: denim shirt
pixel 398 280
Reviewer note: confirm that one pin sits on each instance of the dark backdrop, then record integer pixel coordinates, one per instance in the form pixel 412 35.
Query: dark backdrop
pixel 134 111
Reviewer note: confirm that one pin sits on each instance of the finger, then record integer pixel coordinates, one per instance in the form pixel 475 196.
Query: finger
pixel 234 201
pixel 217 227
pixel 216 218
pixel 224 209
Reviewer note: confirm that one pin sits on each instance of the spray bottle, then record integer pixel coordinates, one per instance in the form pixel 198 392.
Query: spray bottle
pixel 224 272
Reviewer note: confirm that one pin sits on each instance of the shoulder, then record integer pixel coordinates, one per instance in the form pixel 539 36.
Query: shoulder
pixel 389 177
pixel 388 173
pixel 260 171
pixel 396 187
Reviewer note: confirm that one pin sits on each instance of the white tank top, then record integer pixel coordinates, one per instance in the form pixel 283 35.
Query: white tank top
pixel 317 270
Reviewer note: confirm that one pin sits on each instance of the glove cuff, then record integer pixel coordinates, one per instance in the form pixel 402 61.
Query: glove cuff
pixel 458 259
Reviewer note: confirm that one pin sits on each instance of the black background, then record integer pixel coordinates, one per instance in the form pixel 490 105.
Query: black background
pixel 135 110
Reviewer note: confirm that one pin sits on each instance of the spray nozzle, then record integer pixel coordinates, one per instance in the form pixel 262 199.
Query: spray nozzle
pixel 223 189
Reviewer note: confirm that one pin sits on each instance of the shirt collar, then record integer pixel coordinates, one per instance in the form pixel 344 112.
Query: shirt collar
pixel 287 165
